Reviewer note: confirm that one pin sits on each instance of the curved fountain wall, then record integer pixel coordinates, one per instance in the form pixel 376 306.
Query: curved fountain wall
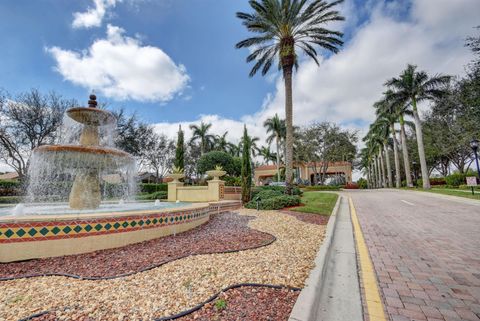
pixel 23 238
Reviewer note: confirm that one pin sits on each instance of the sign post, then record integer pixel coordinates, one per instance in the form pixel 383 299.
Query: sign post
pixel 472 182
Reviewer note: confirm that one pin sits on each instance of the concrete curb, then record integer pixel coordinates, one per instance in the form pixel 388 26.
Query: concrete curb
pixel 307 302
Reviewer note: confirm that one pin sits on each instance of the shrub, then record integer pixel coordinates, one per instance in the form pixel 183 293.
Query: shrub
pixel 232 180
pixel 322 188
pixel 267 194
pixel 351 186
pixel 209 160
pixel 362 183
pixel 10 188
pixel 9 184
pixel 275 203
pixel 437 181
pixel 456 179
pixel 153 196
pixel 10 199
pixel 281 189
pixel 152 188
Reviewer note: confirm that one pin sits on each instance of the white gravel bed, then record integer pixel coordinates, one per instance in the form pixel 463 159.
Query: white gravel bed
pixel 175 286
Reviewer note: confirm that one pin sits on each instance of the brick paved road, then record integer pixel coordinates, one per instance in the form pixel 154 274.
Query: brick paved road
pixel 426 253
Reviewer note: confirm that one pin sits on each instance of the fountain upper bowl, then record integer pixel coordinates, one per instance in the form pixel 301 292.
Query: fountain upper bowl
pixel 91 116
pixel 79 156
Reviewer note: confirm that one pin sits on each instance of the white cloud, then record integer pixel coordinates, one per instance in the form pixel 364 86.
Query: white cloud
pixel 122 68
pixel 93 17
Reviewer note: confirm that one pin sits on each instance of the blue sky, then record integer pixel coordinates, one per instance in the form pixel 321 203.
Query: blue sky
pixel 174 62
pixel 200 34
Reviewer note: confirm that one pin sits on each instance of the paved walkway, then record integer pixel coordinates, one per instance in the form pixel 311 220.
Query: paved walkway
pixel 425 251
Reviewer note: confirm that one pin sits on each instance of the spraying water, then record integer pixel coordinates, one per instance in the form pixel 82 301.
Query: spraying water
pixel 84 167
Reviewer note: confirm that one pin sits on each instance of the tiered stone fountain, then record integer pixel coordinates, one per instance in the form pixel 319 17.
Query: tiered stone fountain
pixel 89 158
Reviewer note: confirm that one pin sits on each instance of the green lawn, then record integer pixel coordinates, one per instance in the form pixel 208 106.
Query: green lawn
pixel 318 203
pixel 460 193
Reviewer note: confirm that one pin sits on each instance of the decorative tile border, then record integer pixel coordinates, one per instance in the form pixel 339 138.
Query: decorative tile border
pixel 29 231
pixel 39 231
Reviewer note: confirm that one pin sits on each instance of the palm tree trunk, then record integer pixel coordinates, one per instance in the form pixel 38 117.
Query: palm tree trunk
pixel 382 168
pixel 389 167
pixel 368 176
pixel 372 175
pixel 406 161
pixel 421 148
pixel 287 75
pixel 377 176
pixel 398 180
pixel 278 159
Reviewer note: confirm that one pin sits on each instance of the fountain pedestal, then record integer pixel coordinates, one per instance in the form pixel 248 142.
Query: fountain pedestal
pixel 85 193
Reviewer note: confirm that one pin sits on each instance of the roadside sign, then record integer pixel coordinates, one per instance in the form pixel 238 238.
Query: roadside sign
pixel 471 181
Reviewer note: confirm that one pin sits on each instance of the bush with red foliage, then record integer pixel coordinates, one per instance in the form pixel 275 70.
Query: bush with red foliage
pixel 351 186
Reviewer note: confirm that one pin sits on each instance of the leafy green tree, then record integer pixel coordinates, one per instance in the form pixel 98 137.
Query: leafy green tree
pixel 276 127
pixel 282 27
pixel 210 160
pixel 411 88
pixel 246 167
pixel 180 150
pixel 201 133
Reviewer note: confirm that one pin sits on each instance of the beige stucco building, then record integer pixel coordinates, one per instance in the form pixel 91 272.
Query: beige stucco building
pixel 306 171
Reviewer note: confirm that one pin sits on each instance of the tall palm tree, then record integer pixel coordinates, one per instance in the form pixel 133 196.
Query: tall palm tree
pixel 381 128
pixel 267 154
pixel 411 88
pixel 387 110
pixel 201 133
pixel 282 27
pixel 220 142
pixel 276 127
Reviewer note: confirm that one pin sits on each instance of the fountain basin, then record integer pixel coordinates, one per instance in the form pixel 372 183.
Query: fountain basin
pixel 49 235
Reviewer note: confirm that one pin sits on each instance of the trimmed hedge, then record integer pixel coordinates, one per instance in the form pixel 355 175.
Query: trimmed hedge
pixel 351 186
pixel 10 199
pixel 434 181
pixel 152 188
pixel 275 203
pixel 322 188
pixel 9 184
pixel 281 189
pixel 153 196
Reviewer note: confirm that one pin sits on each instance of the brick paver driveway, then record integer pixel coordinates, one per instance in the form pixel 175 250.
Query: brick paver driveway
pixel 426 253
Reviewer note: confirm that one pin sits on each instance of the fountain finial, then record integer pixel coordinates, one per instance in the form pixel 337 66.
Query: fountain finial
pixel 92 103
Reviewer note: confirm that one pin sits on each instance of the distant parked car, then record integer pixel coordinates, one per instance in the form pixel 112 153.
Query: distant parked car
pixel 278 184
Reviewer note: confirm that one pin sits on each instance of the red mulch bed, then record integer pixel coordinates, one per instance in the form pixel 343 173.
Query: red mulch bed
pixel 309 218
pixel 223 233
pixel 248 303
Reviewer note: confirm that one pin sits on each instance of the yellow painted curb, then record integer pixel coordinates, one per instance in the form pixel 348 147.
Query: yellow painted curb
pixel 372 295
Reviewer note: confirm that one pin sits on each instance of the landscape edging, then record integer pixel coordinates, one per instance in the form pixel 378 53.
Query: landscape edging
pixel 307 301
pixel 198 306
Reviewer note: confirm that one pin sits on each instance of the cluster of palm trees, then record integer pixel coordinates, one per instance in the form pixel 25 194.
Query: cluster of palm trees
pixel 201 134
pixel 399 103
